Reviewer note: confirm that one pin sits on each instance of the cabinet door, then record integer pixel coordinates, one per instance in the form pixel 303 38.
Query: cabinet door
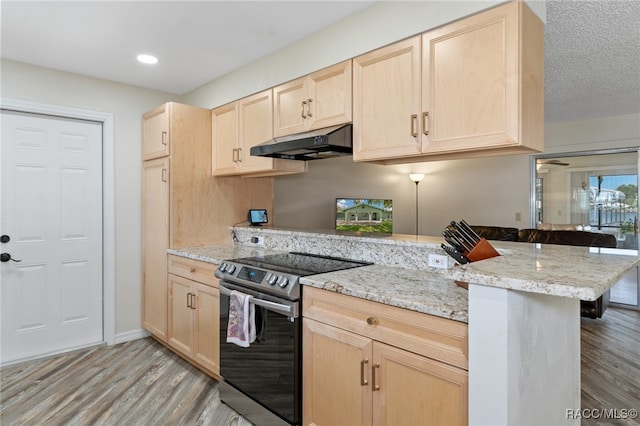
pixel 291 107
pixel 206 350
pixel 256 121
pixel 336 376
pixel 386 102
pixel 330 96
pixel 470 82
pixel 224 141
pixel 155 133
pixel 155 241
pixel 181 302
pixel 410 389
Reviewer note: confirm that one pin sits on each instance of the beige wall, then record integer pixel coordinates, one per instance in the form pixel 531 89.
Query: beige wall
pixel 127 104
pixel 487 191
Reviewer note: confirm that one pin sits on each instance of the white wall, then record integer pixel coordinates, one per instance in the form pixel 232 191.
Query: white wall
pixel 621 131
pixel 127 104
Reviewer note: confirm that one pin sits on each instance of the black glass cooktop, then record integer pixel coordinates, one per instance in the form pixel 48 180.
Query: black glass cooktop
pixel 301 264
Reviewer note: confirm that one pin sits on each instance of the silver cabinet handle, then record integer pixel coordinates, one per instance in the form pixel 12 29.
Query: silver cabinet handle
pixel 414 124
pixel 309 114
pixel 425 127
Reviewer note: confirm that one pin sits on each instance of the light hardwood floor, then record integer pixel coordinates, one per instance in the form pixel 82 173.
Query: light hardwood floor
pixel 610 353
pixel 134 383
pixel 143 383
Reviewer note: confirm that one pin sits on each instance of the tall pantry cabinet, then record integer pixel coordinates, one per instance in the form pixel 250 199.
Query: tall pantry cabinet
pixel 175 187
pixel 184 206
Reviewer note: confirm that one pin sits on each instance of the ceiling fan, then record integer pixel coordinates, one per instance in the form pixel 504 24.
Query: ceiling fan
pixel 552 162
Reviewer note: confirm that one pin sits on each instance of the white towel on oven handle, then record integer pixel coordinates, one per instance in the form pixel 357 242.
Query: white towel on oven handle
pixel 241 329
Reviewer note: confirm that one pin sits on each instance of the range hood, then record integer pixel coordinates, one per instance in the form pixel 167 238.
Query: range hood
pixel 322 143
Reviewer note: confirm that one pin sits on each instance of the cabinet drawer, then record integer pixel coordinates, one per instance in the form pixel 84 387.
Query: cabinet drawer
pixel 437 338
pixel 194 270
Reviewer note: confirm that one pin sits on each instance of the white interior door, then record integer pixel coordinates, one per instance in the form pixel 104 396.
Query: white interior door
pixel 51 210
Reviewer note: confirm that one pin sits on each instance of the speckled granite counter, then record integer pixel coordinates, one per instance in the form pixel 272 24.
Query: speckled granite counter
pixel 405 288
pixel 218 253
pixel 575 272
pixel 401 276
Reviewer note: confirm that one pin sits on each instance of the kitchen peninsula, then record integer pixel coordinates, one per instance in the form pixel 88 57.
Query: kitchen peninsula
pixel 522 308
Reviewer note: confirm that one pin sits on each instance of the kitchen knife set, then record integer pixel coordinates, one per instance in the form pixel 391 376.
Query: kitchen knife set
pixel 465 245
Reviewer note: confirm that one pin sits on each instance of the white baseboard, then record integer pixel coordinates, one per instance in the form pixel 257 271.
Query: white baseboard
pixel 129 335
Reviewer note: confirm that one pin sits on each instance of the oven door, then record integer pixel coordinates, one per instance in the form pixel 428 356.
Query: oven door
pixel 269 370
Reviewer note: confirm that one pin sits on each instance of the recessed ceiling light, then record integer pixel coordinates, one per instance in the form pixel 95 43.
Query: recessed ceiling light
pixel 147 59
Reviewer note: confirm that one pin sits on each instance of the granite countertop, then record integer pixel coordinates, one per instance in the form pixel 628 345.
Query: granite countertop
pixel 401 276
pixel 217 253
pixel 411 289
pixel 566 271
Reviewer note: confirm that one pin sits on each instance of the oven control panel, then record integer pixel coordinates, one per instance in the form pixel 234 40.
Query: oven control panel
pixel 273 282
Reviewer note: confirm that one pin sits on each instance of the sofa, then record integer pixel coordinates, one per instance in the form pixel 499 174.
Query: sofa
pixel 589 309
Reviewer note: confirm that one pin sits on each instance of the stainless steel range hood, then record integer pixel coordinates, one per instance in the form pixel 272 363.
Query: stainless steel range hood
pixel 317 144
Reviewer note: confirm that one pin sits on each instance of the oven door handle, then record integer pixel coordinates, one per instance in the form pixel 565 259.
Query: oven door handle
pixel 272 306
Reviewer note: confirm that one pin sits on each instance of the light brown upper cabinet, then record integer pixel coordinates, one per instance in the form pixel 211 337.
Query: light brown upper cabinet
pixel 318 100
pixel 155 127
pixel 240 125
pixel 386 102
pixel 474 87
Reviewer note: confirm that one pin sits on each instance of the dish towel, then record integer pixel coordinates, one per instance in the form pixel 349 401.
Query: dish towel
pixel 241 329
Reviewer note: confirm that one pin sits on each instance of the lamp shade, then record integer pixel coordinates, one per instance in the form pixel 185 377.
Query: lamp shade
pixel 416 177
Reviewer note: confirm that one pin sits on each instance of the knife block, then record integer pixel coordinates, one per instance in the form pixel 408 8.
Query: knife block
pixel 482 250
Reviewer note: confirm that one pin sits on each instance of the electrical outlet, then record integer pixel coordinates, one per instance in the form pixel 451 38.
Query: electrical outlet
pixel 518 217
pixel 438 261
pixel 258 240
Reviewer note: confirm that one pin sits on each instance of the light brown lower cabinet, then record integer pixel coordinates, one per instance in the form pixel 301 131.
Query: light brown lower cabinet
pixel 352 378
pixel 194 313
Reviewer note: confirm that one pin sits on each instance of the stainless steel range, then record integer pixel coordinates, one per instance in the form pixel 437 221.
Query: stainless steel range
pixel 263 381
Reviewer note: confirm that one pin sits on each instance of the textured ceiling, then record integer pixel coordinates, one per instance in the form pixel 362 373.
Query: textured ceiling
pixel 592 59
pixel 592 47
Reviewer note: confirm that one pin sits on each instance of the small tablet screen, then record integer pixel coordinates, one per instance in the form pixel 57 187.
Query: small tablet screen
pixel 258 216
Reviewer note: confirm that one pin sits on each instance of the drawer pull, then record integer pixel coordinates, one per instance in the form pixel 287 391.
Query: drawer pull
pixel 192 270
pixel 373 377
pixel 372 321
pixel 363 381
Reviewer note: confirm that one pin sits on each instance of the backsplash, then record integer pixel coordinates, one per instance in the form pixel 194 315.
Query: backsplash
pixel 405 251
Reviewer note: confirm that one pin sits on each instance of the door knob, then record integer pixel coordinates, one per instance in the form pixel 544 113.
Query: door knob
pixel 5 239
pixel 5 257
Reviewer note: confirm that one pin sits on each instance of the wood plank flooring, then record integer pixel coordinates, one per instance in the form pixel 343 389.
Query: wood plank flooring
pixel 610 353
pixel 143 383
pixel 134 383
